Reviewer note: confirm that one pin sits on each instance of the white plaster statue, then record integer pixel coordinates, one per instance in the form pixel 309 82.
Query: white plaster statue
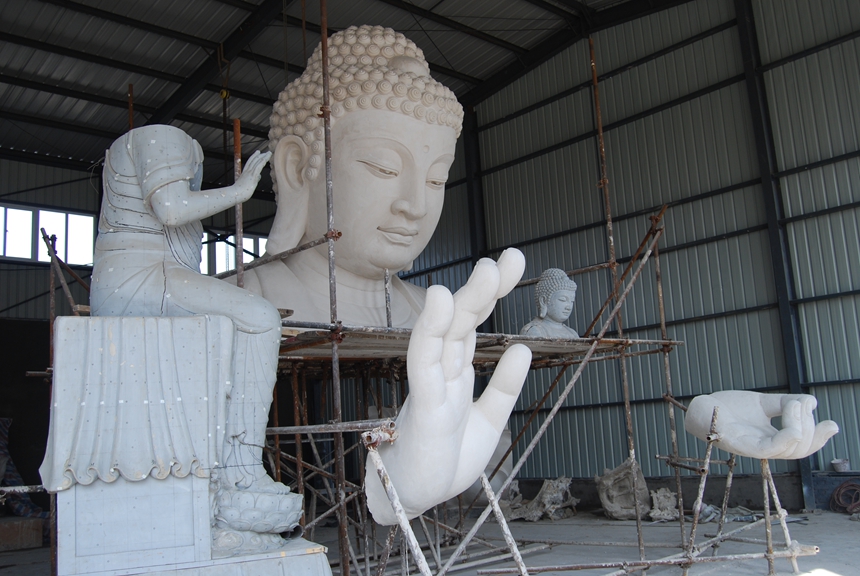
pixel 744 423
pixel 554 296
pixel 146 263
pixel 445 440
pixel 394 130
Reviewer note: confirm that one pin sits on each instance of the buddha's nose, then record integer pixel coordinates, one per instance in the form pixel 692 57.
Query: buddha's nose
pixel 412 202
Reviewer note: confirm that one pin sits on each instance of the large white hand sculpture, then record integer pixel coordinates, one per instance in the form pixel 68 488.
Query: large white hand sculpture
pixel 744 426
pixel 444 438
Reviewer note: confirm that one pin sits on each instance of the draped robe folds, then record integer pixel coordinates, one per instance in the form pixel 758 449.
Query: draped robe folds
pixel 140 396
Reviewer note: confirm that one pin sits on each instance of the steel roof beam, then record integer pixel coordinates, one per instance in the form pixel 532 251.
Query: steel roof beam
pixel 47 160
pixel 315 28
pixel 82 129
pixel 561 40
pixel 247 129
pixel 408 7
pixel 166 32
pixel 572 19
pixel 119 65
pixel 211 45
pixel 255 23
pixel 139 24
pixel 454 25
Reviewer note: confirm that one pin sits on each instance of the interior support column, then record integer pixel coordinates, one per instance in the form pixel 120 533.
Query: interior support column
pixel 779 252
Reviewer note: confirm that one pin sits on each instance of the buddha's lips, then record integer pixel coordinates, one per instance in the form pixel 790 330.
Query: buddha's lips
pixel 399 235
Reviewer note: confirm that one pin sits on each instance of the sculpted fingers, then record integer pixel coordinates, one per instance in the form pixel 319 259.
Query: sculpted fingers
pixel 784 442
pixel 473 298
pixel 823 432
pixel 776 446
pixel 807 426
pixel 511 265
pixel 501 394
pixel 424 357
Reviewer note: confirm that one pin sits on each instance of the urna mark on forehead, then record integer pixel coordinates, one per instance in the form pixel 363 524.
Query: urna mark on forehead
pixel 370 68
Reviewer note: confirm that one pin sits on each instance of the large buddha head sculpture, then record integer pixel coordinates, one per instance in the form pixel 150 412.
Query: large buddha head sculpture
pixel 394 129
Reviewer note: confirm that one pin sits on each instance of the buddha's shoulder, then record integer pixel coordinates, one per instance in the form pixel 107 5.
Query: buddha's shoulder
pixel 273 281
pixel 535 329
pixel 415 294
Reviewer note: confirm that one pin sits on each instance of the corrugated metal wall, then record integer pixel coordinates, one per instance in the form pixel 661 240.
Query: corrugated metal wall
pixel 679 131
pixel 815 112
pixel 24 292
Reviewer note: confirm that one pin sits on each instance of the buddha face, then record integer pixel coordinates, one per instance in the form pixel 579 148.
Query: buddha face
pixel 388 172
pixel 560 305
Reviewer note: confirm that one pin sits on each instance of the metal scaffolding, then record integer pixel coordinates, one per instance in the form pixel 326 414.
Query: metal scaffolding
pixel 323 448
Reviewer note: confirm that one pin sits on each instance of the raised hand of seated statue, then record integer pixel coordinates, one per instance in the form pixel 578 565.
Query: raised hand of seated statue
pixel 182 201
pixel 744 423
pixel 444 438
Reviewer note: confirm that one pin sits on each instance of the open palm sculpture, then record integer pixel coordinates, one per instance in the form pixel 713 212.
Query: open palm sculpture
pixel 744 423
pixel 445 440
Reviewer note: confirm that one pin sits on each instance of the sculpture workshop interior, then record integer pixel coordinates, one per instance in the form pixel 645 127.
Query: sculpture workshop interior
pixel 380 287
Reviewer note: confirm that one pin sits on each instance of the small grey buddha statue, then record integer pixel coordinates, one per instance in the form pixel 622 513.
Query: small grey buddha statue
pixel 554 297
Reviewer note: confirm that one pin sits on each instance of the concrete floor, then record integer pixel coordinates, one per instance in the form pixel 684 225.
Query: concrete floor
pixel 838 538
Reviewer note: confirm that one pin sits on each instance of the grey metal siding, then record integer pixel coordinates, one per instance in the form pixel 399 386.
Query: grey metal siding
pixel 698 154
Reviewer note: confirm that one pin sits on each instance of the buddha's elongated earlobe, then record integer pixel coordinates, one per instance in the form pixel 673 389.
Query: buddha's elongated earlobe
pixel 542 307
pixel 293 189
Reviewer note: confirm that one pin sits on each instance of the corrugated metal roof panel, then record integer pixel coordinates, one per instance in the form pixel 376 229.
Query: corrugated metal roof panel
pixel 830 331
pixel 785 28
pixel 825 253
pixel 570 68
pixel 67 189
pixel 821 188
pixel 614 47
pixel 537 130
pixel 684 71
pixel 517 22
pixel 71 29
pixel 450 241
pixel 813 106
pixel 698 146
pixel 25 292
pixel 551 193
pixel 840 403
pixel 41 139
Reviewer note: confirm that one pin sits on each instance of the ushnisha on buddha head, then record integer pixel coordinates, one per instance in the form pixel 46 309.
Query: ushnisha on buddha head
pixel 394 129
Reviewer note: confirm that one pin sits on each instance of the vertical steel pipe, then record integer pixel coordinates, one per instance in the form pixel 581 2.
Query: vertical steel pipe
pixel 691 543
pixel 55 266
pixel 386 552
pixel 781 514
pixel 325 112
pixel 771 569
pixel 387 286
pixel 240 224
pixel 402 519
pixel 300 475
pixel 131 106
pixel 506 531
pixel 556 407
pixel 725 507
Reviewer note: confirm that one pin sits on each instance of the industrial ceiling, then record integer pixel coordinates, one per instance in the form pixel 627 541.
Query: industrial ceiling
pixel 67 64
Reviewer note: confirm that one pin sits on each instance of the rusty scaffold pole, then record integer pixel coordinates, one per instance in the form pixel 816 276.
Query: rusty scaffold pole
pixel 340 478
pixel 240 226
pixel 613 267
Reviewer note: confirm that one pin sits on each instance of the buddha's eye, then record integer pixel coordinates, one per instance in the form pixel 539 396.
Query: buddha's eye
pixel 436 184
pixel 377 170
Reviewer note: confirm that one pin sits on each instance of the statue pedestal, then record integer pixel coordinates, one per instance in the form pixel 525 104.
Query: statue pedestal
pixel 112 528
pixel 160 527
pixel 137 428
